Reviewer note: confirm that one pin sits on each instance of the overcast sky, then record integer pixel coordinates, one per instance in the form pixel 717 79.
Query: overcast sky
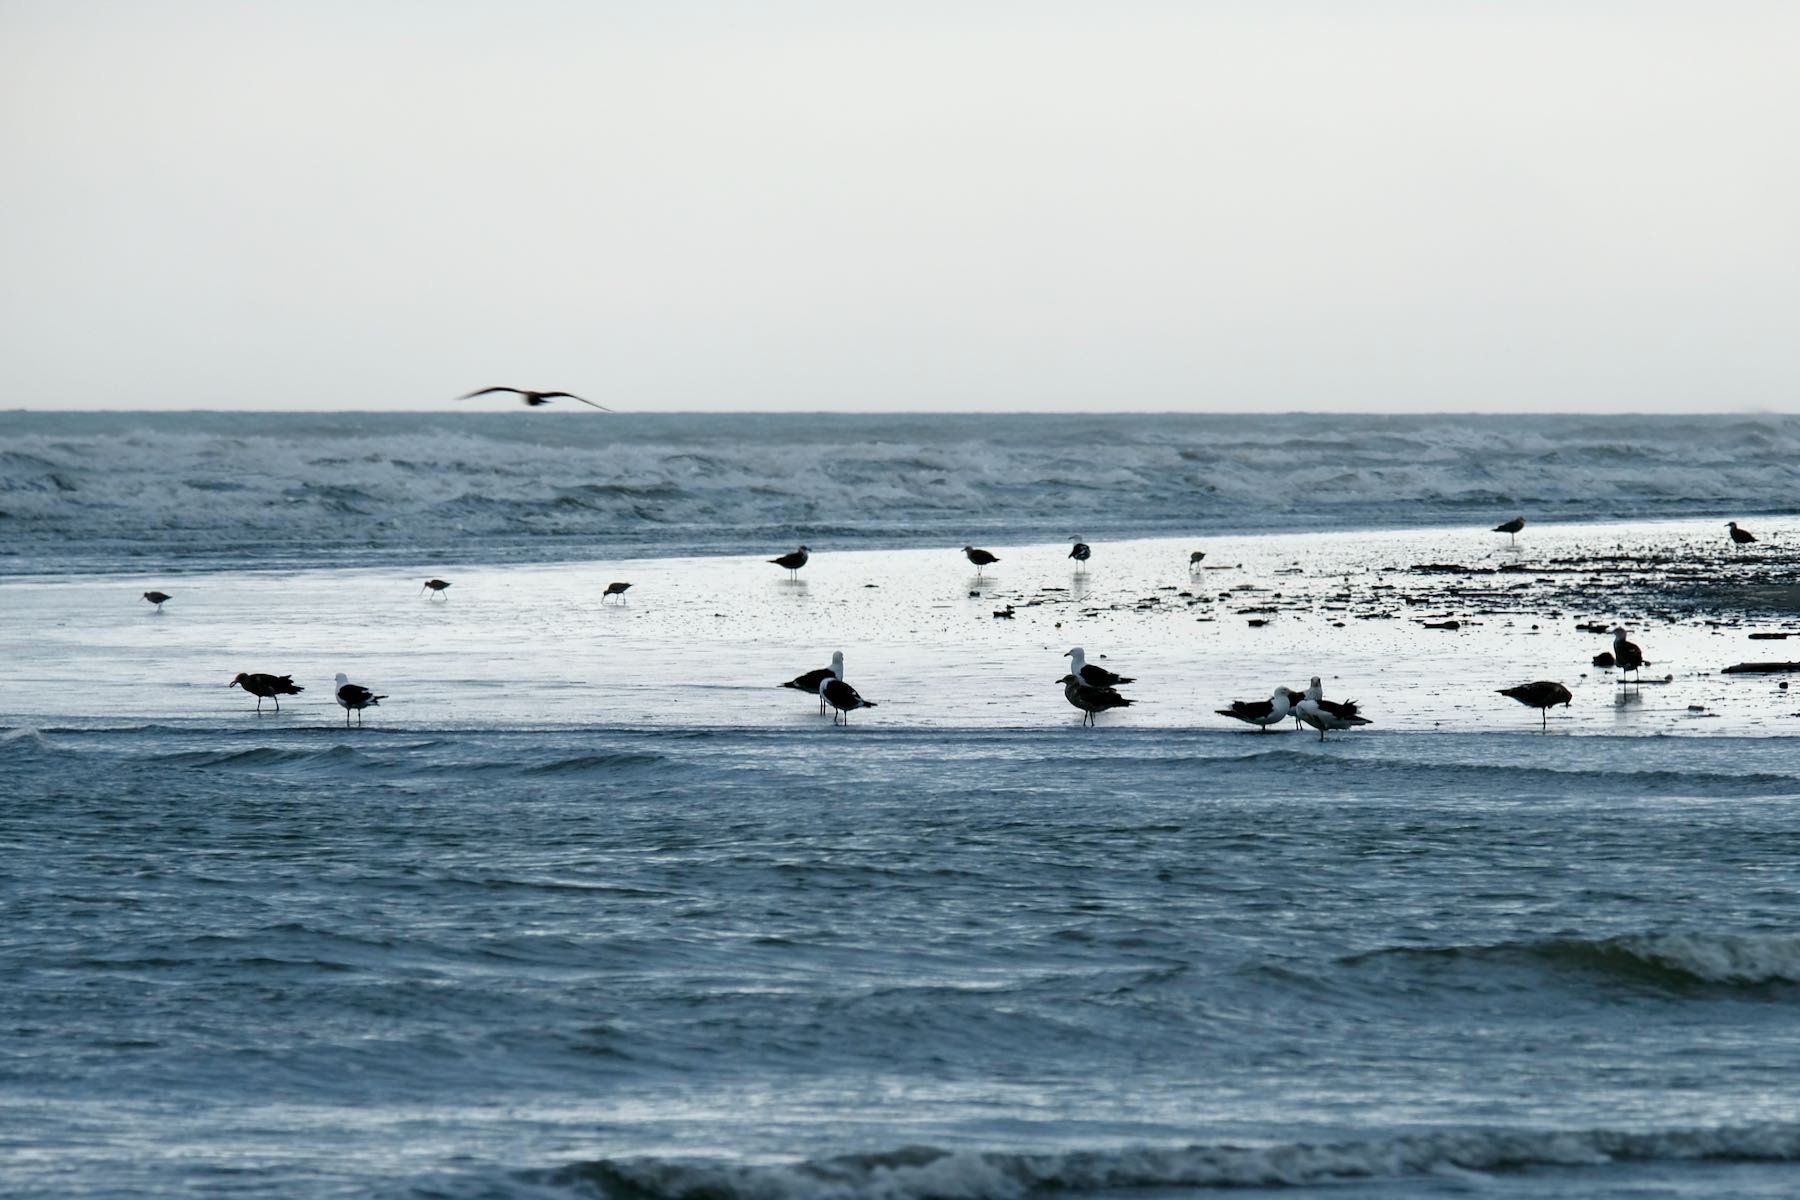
pixel 1254 206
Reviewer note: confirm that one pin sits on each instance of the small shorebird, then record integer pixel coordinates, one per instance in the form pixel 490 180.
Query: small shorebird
pixel 1511 528
pixel 1323 714
pixel 533 399
pixel 1262 712
pixel 1093 676
pixel 1741 537
pixel 1091 700
pixel 261 686
pixel 1628 655
pixel 813 680
pixel 981 558
pixel 843 698
pixel 1080 552
pixel 1542 695
pixel 793 562
pixel 436 588
pixel 1195 559
pixel 157 598
pixel 615 589
pixel 354 698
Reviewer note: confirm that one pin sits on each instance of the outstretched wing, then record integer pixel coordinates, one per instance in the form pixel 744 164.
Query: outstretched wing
pixel 488 391
pixel 573 396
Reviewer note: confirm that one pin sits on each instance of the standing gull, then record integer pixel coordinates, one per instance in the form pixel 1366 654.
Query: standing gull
pixel 1261 712
pixel 1195 559
pixel 1323 714
pixel 534 399
pixel 1093 676
pixel 354 698
pixel 1542 695
pixel 793 562
pixel 1511 528
pixel 843 698
pixel 1091 700
pixel 261 686
pixel 615 589
pixel 981 558
pixel 157 598
pixel 812 681
pixel 436 588
pixel 1628 655
pixel 1739 537
pixel 1080 552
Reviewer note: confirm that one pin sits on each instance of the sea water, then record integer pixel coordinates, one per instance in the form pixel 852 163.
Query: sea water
pixel 589 906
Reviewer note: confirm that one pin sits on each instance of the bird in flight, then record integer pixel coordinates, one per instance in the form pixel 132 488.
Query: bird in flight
pixel 533 399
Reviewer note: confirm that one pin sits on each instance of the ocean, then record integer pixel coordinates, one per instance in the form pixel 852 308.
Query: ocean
pixel 590 907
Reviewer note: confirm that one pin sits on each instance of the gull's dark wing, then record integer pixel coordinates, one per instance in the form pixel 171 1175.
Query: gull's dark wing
pixel 486 391
pixel 573 396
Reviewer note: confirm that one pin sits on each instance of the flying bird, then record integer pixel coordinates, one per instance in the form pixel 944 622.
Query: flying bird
pixel 1542 695
pixel 1091 700
pixel 1741 537
pixel 843 698
pixel 793 562
pixel 615 589
pixel 981 558
pixel 1090 674
pixel 354 698
pixel 435 587
pixel 261 686
pixel 157 598
pixel 533 399
pixel 813 680
pixel 1511 528
pixel 1261 712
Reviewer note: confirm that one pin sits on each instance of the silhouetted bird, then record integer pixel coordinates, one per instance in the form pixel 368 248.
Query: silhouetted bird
pixel 1742 537
pixel 260 686
pixel 533 399
pixel 1081 552
pixel 157 598
pixel 435 587
pixel 981 558
pixel 793 562
pixel 1195 559
pixel 615 589
pixel 1091 700
pixel 1627 654
pixel 1542 695
pixel 1511 528
pixel 843 698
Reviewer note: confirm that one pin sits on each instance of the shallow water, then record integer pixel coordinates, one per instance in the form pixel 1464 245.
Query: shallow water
pixel 590 906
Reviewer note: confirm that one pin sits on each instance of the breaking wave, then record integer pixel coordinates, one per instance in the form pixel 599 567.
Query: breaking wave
pixel 927 1173
pixel 106 490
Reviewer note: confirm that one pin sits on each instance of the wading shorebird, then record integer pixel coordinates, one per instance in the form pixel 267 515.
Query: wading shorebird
pixel 1091 700
pixel 354 698
pixel 1542 695
pixel 270 686
pixel 157 598
pixel 1511 528
pixel 436 588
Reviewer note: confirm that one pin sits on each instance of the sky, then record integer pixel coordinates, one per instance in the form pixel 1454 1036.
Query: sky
pixel 1256 206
